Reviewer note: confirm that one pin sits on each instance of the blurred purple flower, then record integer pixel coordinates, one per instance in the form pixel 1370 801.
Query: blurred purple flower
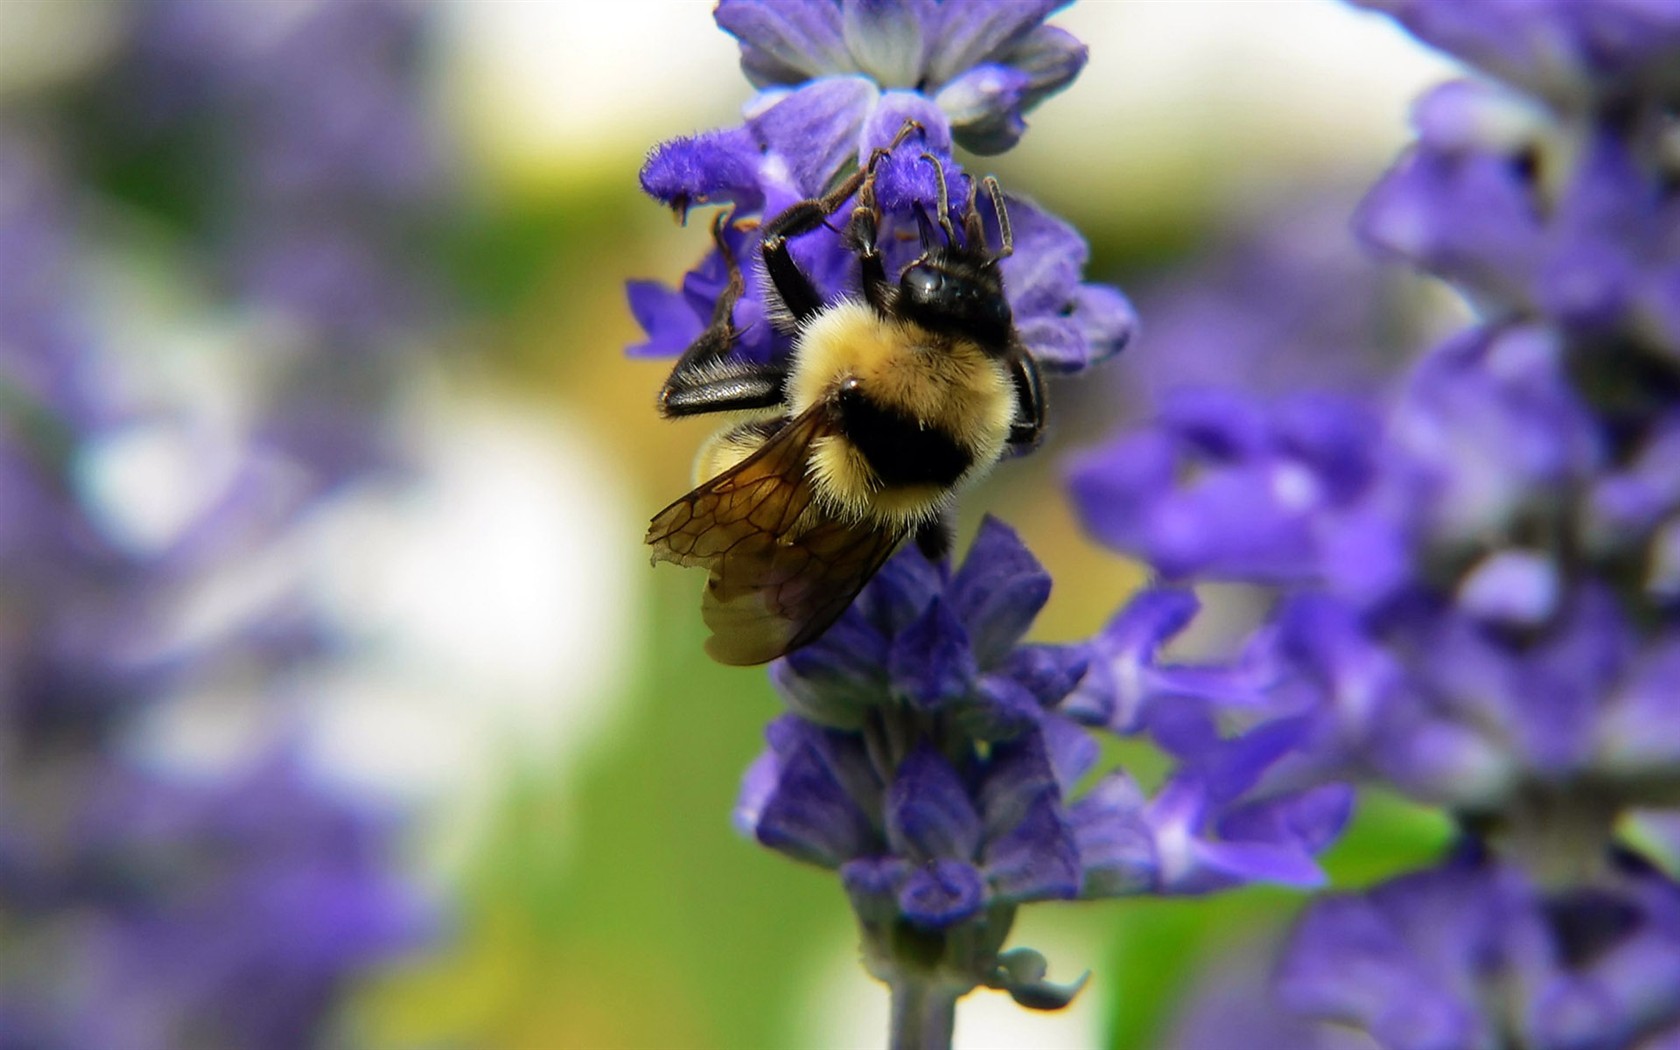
pixel 1277 300
pixel 1221 486
pixel 1558 49
pixel 145 911
pixel 1478 955
pixel 1466 954
pixel 315 174
pixel 155 912
pixel 145 908
pixel 1529 221
pixel 1472 587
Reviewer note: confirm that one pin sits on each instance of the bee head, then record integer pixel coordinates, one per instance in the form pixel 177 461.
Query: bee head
pixel 960 292
pixel 956 285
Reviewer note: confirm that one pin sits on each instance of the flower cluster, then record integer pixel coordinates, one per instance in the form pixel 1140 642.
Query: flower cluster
pixel 936 763
pixel 1475 584
pixel 152 487
pixel 795 144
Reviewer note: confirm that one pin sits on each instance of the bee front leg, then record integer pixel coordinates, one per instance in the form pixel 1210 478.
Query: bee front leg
pixel 799 297
pixel 862 235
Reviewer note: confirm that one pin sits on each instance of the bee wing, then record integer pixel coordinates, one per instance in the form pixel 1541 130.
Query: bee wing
pixel 781 572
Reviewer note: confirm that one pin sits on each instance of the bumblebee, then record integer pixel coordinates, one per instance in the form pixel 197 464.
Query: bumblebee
pixel 890 403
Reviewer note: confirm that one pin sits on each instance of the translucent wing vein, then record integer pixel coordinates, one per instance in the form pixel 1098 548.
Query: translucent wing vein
pixel 780 570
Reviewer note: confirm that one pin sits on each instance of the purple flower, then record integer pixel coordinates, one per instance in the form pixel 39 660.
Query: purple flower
pixel 162 910
pixel 1466 954
pixel 1278 300
pixel 1068 325
pixel 932 761
pixel 313 175
pixel 1533 222
pixel 982 65
pixel 941 643
pixel 1224 487
pixel 1566 51
pixel 95 586
pixel 797 142
pixel 932 842
pixel 145 908
pixel 1472 955
pixel 1467 589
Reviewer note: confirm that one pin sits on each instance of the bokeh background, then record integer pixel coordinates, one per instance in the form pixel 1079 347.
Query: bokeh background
pixel 348 476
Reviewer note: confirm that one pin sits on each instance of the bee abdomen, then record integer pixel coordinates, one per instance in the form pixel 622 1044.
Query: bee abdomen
pixel 901 449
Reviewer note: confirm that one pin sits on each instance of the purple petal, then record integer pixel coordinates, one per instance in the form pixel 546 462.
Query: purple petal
pixel 1002 708
pixel 931 664
pixel 1105 323
pixel 1067 325
pixel 1515 588
pixel 928 810
pixel 706 168
pixel 1307 821
pixel 972 33
pixel 1347 962
pixel 906 179
pixel 1468 218
pixel 984 107
pixel 1049 672
pixel 900 593
pixel 815 132
pixel 1072 751
pixel 758 784
pixel 885 38
pixel 1037 857
pixel 1116 847
pixel 942 893
pixel 810 816
pixel 1122 679
pixel 873 885
pixel 837 678
pixel 665 316
pixel 1050 57
pixel 785 43
pixel 1639 729
pixel 998 591
pixel 1019 773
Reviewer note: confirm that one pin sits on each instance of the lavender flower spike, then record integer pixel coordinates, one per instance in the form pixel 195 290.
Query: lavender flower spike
pixel 931 761
pixel 1475 590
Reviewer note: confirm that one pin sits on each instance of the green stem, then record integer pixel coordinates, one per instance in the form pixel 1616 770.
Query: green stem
pixel 924 1013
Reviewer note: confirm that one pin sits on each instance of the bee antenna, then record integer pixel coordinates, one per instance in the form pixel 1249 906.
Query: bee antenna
pixel 995 192
pixel 944 198
pixel 925 226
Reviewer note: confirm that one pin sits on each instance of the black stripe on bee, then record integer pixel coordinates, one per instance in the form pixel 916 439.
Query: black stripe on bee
pixel 901 449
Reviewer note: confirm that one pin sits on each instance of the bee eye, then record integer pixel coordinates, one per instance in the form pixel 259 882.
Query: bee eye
pixel 923 283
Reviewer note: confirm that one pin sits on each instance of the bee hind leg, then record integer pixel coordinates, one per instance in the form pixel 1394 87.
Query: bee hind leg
pixel 935 538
